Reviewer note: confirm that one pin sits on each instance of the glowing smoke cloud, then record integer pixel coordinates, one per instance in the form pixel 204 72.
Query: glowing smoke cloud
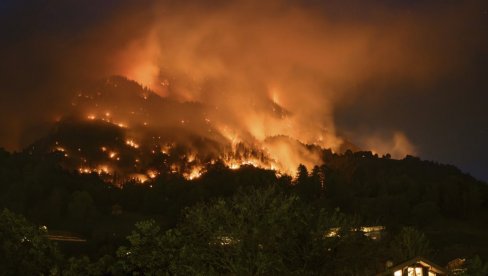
pixel 258 69
pixel 264 72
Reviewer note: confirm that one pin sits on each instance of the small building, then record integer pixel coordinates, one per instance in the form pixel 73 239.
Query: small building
pixel 415 267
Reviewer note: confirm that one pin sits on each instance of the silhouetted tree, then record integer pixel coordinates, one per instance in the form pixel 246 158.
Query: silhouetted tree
pixel 257 232
pixel 302 175
pixel 476 267
pixel 317 179
pixel 410 243
pixel 83 266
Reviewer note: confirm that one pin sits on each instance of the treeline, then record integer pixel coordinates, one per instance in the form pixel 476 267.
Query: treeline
pixel 258 231
pixel 448 206
pixel 362 181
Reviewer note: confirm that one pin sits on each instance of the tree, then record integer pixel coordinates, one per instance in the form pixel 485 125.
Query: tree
pixel 303 183
pixel 83 266
pixel 258 231
pixel 302 175
pixel 317 180
pixel 25 250
pixel 476 267
pixel 410 243
pixel 151 251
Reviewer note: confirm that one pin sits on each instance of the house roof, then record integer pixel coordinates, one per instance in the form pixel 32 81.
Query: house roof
pixel 417 260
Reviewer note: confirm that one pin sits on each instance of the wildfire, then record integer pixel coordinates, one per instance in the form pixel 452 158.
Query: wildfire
pixel 60 149
pixel 165 149
pixel 102 169
pixel 132 144
pixel 152 173
pixel 235 163
pixel 139 177
pixel 191 157
pixel 85 170
pixel 195 173
pixel 236 146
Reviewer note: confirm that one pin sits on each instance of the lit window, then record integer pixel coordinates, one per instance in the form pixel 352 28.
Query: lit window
pixel 415 271
pixel 398 273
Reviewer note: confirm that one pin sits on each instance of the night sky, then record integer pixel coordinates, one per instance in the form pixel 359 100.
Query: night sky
pixel 413 68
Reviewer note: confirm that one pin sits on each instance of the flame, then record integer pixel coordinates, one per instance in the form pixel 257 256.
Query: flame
pixel 236 164
pixel 132 144
pixel 60 149
pixel 142 178
pixel 100 170
pixel 247 94
pixel 196 172
pixel 152 173
pixel 84 170
pixel 103 169
pixel 191 157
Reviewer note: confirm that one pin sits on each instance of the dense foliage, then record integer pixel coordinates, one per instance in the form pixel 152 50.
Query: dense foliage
pixel 264 223
pixel 24 248
pixel 260 232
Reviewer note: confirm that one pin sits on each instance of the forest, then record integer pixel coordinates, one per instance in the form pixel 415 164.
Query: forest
pixel 246 221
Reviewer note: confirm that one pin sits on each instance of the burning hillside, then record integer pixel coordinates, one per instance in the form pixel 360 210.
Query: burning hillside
pixel 235 73
pixel 120 130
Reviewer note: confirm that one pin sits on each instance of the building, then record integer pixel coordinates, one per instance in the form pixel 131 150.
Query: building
pixel 415 267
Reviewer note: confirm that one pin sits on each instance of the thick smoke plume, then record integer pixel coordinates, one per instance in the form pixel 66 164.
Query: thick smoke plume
pixel 271 69
pixel 260 69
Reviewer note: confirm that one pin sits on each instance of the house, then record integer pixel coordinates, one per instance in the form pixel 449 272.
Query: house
pixel 415 267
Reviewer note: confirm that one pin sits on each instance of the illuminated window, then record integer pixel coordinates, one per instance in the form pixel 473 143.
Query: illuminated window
pixel 431 273
pixel 397 273
pixel 414 271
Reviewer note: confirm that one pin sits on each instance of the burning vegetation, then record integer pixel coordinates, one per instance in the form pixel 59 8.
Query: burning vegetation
pixel 120 130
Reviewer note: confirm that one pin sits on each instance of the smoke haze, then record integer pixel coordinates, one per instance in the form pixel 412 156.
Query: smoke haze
pixel 260 69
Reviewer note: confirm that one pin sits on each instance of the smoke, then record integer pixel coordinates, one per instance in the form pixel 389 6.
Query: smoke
pixel 397 145
pixel 260 70
pixel 274 69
